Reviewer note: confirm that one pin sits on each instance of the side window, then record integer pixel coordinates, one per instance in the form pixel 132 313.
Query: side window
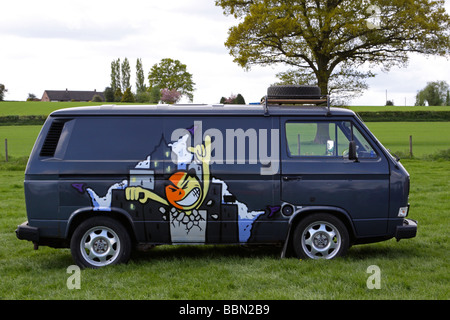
pixel 325 139
pixel 113 138
pixel 310 138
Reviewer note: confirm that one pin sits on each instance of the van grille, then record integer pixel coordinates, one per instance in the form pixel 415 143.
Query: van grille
pixel 52 138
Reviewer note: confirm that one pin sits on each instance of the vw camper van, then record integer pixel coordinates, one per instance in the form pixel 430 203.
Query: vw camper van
pixel 291 172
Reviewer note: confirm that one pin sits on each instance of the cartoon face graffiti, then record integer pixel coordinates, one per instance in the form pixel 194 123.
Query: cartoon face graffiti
pixel 184 190
pixel 183 197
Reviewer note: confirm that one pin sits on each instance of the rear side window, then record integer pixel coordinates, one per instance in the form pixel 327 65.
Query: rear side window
pixel 114 138
pixel 325 139
pixel 52 139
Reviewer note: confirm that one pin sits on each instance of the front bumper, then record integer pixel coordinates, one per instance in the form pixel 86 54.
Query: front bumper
pixel 26 232
pixel 407 230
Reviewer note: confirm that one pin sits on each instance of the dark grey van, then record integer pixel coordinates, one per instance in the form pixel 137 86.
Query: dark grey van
pixel 314 180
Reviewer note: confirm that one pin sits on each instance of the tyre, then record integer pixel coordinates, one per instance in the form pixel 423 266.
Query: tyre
pixel 99 242
pixel 320 236
pixel 293 92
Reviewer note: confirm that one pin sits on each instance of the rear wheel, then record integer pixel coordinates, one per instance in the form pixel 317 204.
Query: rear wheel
pixel 100 241
pixel 320 236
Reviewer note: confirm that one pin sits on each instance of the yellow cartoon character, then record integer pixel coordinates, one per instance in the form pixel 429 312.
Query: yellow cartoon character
pixel 184 190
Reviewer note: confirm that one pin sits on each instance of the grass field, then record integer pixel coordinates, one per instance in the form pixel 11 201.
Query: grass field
pixel 37 108
pixel 427 137
pixel 21 108
pixel 410 269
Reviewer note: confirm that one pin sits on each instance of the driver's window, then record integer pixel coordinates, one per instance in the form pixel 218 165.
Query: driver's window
pixel 318 138
pixel 325 139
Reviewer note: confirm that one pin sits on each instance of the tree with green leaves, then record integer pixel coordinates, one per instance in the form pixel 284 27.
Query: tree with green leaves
pixel 115 75
pixel 330 43
pixel 109 94
pixel 2 91
pixel 233 99
pixel 172 75
pixel 140 78
pixel 435 93
pixel 118 95
pixel 128 96
pixel 126 74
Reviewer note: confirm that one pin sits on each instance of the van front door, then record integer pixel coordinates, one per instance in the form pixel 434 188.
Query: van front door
pixel 316 171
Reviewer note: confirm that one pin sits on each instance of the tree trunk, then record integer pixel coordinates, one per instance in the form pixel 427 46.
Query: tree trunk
pixel 323 132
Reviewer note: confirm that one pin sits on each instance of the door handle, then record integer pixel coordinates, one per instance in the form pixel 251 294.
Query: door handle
pixel 291 178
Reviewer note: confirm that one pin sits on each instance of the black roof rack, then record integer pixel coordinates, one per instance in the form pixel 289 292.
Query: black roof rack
pixel 295 95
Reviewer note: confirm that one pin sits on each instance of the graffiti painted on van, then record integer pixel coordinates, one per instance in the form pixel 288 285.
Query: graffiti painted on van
pixel 175 182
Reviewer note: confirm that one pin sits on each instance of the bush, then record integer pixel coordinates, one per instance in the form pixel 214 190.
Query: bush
pixel 118 95
pixel 155 94
pixel 109 94
pixel 22 120
pixel 170 96
pixel 439 155
pixel 233 99
pixel 97 98
pixel 384 116
pixel 128 96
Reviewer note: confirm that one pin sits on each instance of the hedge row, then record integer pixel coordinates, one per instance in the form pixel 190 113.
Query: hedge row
pixel 22 120
pixel 369 116
pixel 411 116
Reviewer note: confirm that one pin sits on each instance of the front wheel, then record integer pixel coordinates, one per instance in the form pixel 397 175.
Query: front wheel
pixel 320 236
pixel 100 241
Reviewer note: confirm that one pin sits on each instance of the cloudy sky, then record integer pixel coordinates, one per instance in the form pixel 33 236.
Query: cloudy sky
pixel 55 44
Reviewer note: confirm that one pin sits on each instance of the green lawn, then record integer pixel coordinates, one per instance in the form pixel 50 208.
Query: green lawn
pixel 20 140
pixel 427 137
pixel 410 269
pixel 37 107
pixel 21 108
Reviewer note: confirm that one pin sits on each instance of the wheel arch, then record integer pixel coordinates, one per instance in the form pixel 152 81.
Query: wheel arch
pixel 80 215
pixel 304 212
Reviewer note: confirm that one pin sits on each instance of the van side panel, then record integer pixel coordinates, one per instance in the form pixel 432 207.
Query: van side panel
pixel 42 200
pixel 226 169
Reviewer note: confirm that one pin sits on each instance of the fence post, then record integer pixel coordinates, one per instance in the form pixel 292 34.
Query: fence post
pixel 410 147
pixel 6 150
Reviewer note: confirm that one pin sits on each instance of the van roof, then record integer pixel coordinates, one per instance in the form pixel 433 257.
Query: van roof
pixel 199 109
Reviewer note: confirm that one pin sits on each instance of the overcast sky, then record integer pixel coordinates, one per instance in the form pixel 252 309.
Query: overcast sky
pixel 55 44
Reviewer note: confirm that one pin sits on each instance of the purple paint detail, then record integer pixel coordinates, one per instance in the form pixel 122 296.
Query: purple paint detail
pixel 79 187
pixel 192 129
pixel 273 210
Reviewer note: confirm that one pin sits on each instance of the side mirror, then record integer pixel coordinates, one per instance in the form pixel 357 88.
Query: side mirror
pixel 352 151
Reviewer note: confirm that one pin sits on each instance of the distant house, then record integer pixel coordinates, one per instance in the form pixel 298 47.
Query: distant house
pixel 69 95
